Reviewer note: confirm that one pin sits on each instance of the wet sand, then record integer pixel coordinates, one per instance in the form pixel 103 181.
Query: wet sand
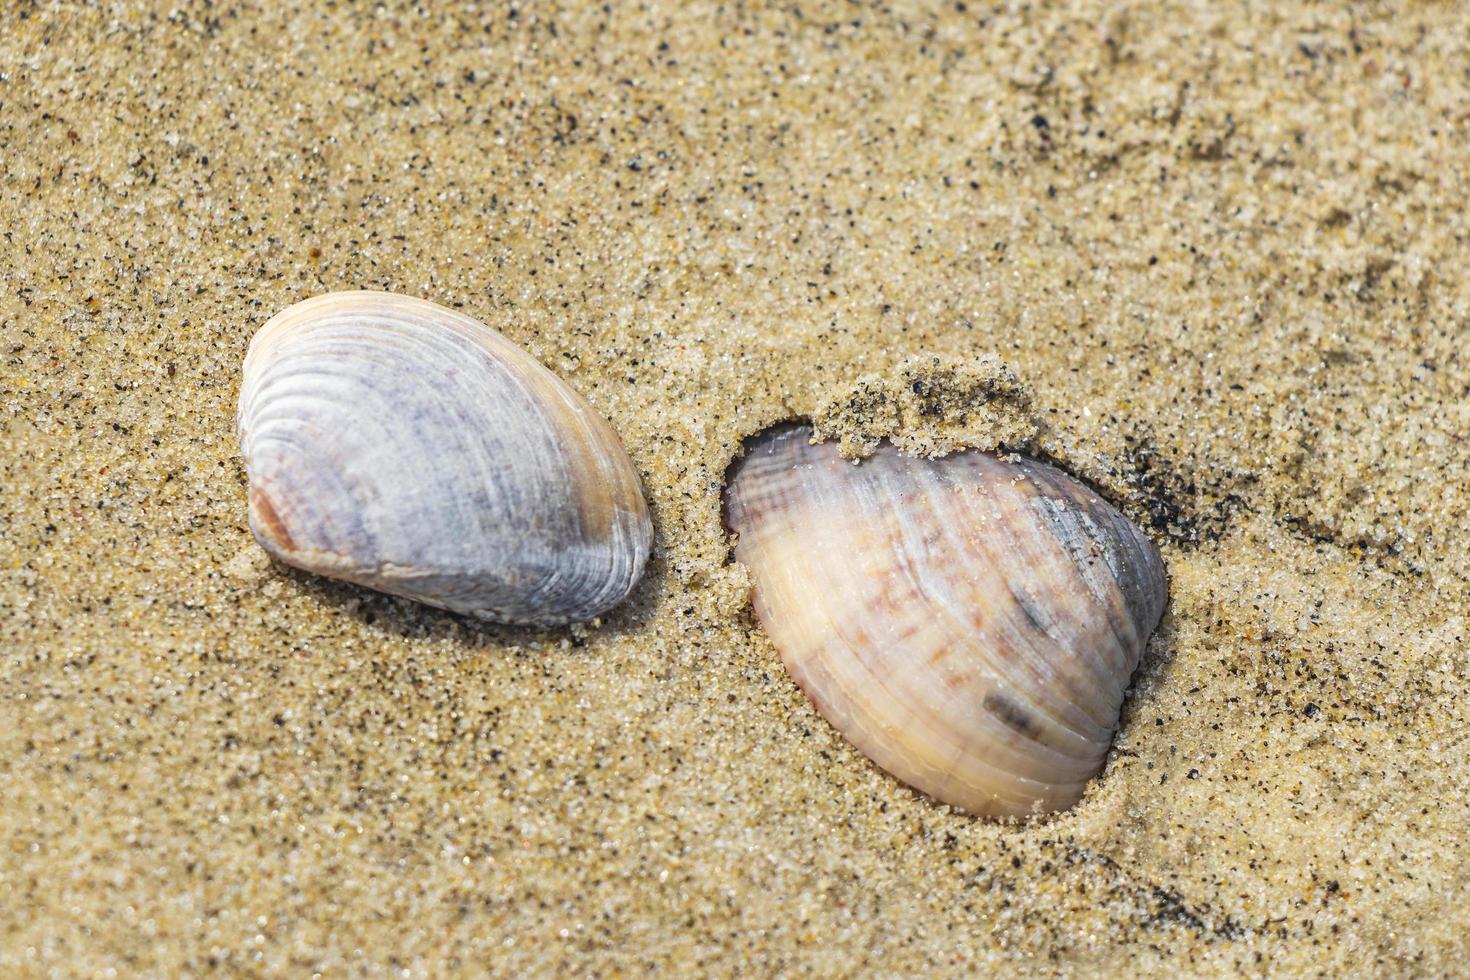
pixel 1222 249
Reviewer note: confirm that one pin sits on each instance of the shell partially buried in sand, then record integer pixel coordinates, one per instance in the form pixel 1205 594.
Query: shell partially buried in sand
pixel 970 623
pixel 403 446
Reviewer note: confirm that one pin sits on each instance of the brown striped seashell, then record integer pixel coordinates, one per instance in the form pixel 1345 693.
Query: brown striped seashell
pixel 403 446
pixel 970 623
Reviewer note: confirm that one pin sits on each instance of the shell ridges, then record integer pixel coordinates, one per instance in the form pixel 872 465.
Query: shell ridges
pixel 407 447
pixel 970 623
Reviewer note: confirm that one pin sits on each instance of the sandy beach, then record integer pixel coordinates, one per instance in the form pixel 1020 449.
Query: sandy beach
pixel 1215 256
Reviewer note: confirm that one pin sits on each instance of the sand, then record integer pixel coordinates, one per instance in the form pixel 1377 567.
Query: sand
pixel 1221 247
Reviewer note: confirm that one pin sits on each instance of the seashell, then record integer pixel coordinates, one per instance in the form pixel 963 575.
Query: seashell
pixel 403 446
pixel 970 623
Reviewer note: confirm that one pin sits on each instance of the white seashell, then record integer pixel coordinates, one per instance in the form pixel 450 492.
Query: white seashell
pixel 970 623
pixel 409 448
